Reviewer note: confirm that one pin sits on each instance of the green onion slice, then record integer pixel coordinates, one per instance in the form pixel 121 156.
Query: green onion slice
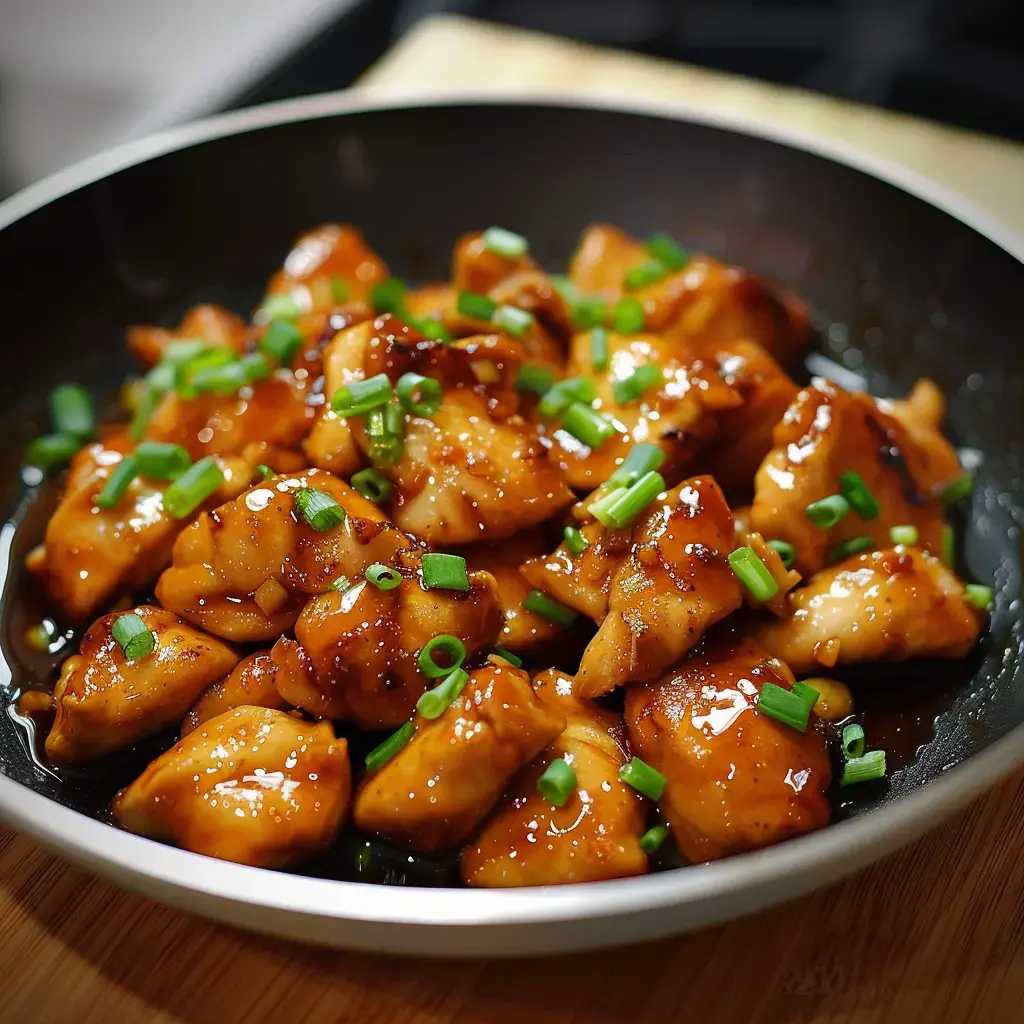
pixel 388 296
pixel 864 769
pixel 193 487
pixel 512 320
pixel 548 608
pixel 853 741
pixel 51 451
pixel 420 395
pixel 505 243
pixel 360 396
pixel 445 572
pixel 959 490
pixel 383 577
pixel 621 508
pixel 373 485
pixel 453 649
pixel 118 482
pixel 786 552
pixel 643 778
pixel 513 659
pixel 435 702
pixel 948 545
pixel 978 596
pixel 753 573
pixel 536 379
pixel 319 509
pixel 557 782
pixel 667 251
pixel 787 706
pixel 642 459
pixel 339 288
pixel 806 692
pixel 828 511
pixel 575 541
pixel 907 535
pixel 134 637
pixel 849 548
pixel 628 315
pixel 385 434
pixel 380 755
pixel 644 274
pixel 632 388
pixel 255 367
pixel 861 500
pixel 587 312
pixel 265 472
pixel 73 412
pixel 587 426
pixel 280 307
pixel 475 306
pixel 652 839
pixel 162 461
pixel 599 348
pixel 562 394
pixel 281 341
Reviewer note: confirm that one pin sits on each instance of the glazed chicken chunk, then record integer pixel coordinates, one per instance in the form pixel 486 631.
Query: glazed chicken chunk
pixel 252 785
pixel 252 681
pixel 435 791
pixel 737 779
pixel 594 835
pixel 213 324
pixel 106 701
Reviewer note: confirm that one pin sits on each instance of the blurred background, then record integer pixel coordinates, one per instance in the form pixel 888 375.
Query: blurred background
pixel 77 76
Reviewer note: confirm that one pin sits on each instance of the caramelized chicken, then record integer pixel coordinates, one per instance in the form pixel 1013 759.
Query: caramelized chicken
pixel 594 836
pixel 252 785
pixel 245 570
pixel 212 324
pixel 891 605
pixel 435 791
pixel 737 779
pixel 602 259
pixel 826 432
pixel 252 681
pixel 921 414
pixel 785 579
pixel 106 702
pixel 356 656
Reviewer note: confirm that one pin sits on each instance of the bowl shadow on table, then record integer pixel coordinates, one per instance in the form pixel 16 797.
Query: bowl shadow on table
pixel 914 932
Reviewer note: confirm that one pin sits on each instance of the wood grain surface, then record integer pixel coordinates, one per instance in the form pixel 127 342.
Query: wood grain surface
pixel 934 934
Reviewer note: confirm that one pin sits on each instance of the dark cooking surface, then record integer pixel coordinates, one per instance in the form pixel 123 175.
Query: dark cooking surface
pixel 899 291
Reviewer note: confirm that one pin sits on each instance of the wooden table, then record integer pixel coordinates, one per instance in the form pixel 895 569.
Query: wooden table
pixel 934 934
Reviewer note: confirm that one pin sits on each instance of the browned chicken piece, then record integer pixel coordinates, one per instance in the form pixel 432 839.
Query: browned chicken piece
pixel 253 785
pixel 674 584
pixel 673 413
pixel 212 324
pixel 356 651
pixel 891 605
pixel 737 779
pixel 922 413
pixel 106 702
pixel 279 460
pixel 431 301
pixel 91 555
pixel 435 791
pixel 602 259
pixel 743 435
pixel 250 682
pixel 826 432
pixel 523 630
pixel 245 570
pixel 593 836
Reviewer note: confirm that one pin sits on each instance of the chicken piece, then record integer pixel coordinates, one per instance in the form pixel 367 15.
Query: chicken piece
pixel 737 779
pixel 106 702
pixel 921 414
pixel 892 605
pixel 673 413
pixel 602 259
pixel 431 301
pixel 594 836
pixel 251 681
pixel 225 557
pixel 91 555
pixel 435 791
pixel 826 432
pixel 274 411
pixel 253 785
pixel 743 435
pixel 785 579
pixel 523 630
pixel 356 655
pixel 212 324
pixel 674 584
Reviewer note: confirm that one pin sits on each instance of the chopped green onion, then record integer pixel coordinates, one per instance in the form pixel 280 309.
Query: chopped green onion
pixel 319 509
pixel 118 482
pixel 383 577
pixel 435 702
pixel 786 551
pixel 666 250
pixel 565 287
pixel 652 839
pixel 557 782
pixel 161 460
pixel 959 490
pixel 643 778
pixel 828 511
pixel 849 548
pixel 806 692
pixel 575 540
pixel 255 366
pixel 280 307
pixel 178 354
pixel 264 471
pixel 193 487
pixel 855 491
pixel 132 635
pixel 381 754
pixel 388 296
pixel 599 348
pixel 475 306
pixel 907 535
pixel 644 274
pixel 853 741
pixel 628 315
pixel 342 583
pixel 642 458
pixel 151 398
pixel 753 573
pixel 360 396
pixel 548 608
pixel 621 508
pixel 537 379
pixel 864 769
pixel 505 243
pixel 385 434
pixel 431 328
pixel 561 394
pixel 632 388
pixel 420 395
pixel 978 596
pixel 450 646
pixel 513 659
pixel 223 380
pixel 51 451
pixel 281 341
pixel 512 320
pixel 73 413
pixel 211 356
pixel 372 485
pixel 948 545
pixel 445 572
pixel 587 312
pixel 786 706
pixel 339 288
pixel 586 425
